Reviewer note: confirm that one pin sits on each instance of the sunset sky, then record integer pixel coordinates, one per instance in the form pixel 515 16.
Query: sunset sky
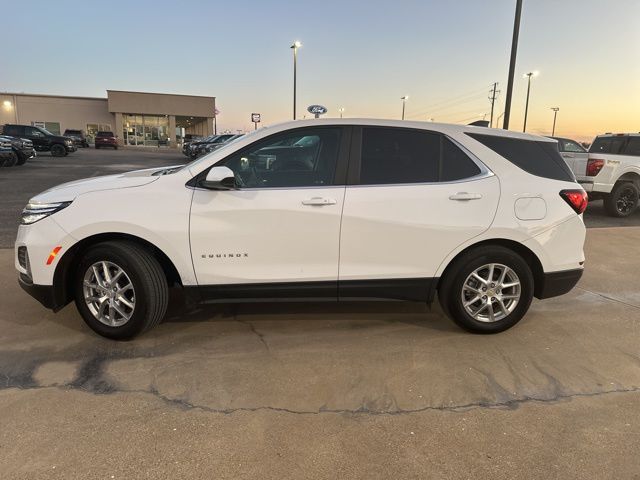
pixel 359 55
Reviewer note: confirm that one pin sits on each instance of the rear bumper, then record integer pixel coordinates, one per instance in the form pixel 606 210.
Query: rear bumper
pixel 587 185
pixel 558 283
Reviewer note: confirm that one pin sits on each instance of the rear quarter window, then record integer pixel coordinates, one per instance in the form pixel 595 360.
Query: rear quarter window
pixel 538 158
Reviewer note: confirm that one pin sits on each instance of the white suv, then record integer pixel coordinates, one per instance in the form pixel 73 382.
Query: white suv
pixel 613 172
pixel 317 209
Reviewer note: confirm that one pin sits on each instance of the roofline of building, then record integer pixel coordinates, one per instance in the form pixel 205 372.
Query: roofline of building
pixel 158 93
pixel 23 94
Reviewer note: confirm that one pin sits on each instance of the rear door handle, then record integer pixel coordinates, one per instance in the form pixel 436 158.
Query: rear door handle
pixel 464 196
pixel 319 201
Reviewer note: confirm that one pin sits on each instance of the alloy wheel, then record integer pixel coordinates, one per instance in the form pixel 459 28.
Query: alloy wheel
pixel 627 200
pixel 109 293
pixel 491 292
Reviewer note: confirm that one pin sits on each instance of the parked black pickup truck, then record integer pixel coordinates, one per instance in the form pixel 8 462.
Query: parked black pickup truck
pixel 43 140
pixel 21 148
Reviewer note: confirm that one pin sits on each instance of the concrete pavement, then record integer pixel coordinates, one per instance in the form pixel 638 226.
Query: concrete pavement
pixel 358 390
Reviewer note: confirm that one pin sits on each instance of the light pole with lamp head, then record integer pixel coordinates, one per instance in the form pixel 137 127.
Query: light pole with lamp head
pixel 296 45
pixel 404 100
pixel 341 110
pixel 555 114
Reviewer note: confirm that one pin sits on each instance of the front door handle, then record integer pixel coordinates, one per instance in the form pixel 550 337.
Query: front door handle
pixel 319 201
pixel 567 155
pixel 464 196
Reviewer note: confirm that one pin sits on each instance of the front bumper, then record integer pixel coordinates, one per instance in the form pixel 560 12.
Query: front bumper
pixel 554 284
pixel 43 293
pixel 70 148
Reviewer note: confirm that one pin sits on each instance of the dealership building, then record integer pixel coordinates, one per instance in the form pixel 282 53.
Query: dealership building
pixel 136 118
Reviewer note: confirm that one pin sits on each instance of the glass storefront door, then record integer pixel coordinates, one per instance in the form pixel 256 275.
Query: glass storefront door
pixel 145 130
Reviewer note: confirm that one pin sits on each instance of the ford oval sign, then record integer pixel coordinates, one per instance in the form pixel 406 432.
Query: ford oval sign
pixel 317 110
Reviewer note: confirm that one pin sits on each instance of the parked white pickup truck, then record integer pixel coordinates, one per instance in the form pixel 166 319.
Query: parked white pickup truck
pixel 612 172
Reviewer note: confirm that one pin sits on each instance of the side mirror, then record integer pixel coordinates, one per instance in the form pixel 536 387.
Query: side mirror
pixel 220 178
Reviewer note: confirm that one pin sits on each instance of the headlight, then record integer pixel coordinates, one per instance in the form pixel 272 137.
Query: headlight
pixel 37 211
pixel 68 142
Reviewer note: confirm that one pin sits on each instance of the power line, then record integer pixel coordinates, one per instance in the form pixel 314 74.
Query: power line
pixel 438 105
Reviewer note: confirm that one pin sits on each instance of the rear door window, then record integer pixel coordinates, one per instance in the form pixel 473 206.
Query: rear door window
pixel 612 145
pixel 633 147
pixel 538 158
pixel 398 155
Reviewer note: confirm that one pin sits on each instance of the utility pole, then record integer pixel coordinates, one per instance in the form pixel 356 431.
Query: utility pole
pixel 526 106
pixel 555 114
pixel 494 95
pixel 512 64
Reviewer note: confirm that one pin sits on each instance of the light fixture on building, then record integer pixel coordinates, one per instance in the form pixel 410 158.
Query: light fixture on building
pixel 7 103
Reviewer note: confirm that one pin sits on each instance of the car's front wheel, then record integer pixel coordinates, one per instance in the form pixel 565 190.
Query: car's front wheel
pixel 120 289
pixel 487 290
pixel 58 150
pixel 623 200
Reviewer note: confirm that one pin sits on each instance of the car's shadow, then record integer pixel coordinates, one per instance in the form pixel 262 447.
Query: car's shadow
pixel 352 314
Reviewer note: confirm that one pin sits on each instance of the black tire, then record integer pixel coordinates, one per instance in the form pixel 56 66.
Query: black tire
pixel 11 160
pixel 451 287
pixel 623 200
pixel 97 147
pixel 21 160
pixel 115 147
pixel 58 150
pixel 146 276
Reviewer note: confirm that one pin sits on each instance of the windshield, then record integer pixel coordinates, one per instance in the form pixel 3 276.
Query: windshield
pixel 223 147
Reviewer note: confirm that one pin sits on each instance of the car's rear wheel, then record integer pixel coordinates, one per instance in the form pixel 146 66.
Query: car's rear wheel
pixel 623 200
pixel 120 289
pixel 58 150
pixel 487 290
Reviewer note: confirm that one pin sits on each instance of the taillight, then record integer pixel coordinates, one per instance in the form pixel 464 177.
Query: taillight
pixel 577 199
pixel 594 165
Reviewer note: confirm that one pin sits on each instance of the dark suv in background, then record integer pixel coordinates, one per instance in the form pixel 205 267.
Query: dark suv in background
pixel 43 140
pixel 78 137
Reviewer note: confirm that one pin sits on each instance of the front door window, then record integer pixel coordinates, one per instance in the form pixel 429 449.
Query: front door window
pixel 303 158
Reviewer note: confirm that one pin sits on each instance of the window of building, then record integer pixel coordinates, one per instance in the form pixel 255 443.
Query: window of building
pixel 53 127
pixel 145 130
pixel 93 128
pixel 303 158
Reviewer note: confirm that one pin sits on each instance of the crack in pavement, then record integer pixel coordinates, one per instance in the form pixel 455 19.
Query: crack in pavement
pixel 607 297
pixel 511 404
pixel 261 336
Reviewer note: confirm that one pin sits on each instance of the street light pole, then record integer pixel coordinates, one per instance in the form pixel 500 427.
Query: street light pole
pixel 555 114
pixel 526 106
pixel 296 45
pixel 341 110
pixel 512 64
pixel 404 100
